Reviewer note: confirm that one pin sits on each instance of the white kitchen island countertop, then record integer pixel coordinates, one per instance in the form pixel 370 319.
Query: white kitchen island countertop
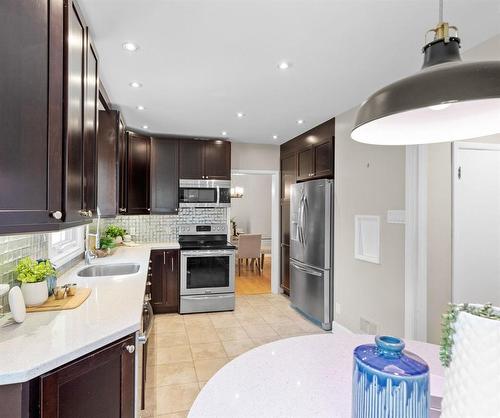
pixel 46 340
pixel 300 377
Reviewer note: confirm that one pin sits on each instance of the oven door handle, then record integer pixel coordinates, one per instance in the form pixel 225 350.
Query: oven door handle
pixel 143 336
pixel 207 253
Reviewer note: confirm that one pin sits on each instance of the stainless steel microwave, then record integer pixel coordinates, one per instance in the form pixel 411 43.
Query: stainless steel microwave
pixel 204 193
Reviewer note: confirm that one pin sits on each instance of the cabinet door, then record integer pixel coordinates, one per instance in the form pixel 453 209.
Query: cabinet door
pixel 31 86
pixel 164 175
pixel 122 169
pixel 305 168
pixel 191 159
pixel 157 265
pixel 90 131
pixel 172 281
pixel 107 142
pixel 323 159
pixel 98 385
pixel 138 157
pixel 75 93
pixel 217 160
pixel 165 280
pixel 285 222
pixel 288 175
pixel 285 268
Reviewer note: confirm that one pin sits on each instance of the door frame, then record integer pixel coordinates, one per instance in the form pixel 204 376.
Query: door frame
pixel 415 313
pixel 456 147
pixel 275 228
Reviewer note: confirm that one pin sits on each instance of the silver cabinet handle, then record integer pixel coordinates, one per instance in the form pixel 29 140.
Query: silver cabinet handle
pixel 130 348
pixel 56 215
pixel 172 262
pixel 149 209
pixel 164 262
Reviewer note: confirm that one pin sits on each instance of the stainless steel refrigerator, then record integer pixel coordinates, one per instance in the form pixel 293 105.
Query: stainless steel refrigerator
pixel 311 249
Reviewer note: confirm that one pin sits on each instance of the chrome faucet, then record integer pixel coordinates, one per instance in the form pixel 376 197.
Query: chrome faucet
pixel 89 254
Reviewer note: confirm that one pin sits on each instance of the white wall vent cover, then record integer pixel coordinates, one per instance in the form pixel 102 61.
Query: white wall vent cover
pixel 367 238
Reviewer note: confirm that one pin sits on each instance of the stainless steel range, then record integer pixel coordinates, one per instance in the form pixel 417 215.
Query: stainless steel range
pixel 207 269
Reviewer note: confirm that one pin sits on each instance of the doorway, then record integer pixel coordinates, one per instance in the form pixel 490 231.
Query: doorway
pixel 256 212
pixel 476 223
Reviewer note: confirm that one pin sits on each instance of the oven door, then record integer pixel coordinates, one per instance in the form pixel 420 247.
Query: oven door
pixel 205 272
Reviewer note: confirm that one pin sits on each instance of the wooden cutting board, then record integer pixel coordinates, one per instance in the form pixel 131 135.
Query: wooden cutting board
pixel 69 302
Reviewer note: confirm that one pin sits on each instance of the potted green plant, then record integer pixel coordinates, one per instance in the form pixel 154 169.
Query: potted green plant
pixel 33 277
pixel 106 244
pixel 115 232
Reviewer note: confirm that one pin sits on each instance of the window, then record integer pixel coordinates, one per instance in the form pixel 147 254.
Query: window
pixel 65 245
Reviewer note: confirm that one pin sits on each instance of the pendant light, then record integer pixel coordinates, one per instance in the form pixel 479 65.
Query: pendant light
pixel 447 100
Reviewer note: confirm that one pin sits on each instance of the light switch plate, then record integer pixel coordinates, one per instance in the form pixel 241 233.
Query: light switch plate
pixel 396 216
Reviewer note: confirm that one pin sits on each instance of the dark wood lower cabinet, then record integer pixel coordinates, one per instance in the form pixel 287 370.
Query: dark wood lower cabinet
pixel 164 281
pixel 98 385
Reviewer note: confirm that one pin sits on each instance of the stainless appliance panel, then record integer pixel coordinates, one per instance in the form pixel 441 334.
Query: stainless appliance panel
pixel 211 303
pixel 310 223
pixel 205 272
pixel 311 293
pixel 204 193
pixel 141 344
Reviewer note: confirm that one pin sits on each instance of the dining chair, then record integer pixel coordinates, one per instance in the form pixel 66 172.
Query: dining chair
pixel 249 248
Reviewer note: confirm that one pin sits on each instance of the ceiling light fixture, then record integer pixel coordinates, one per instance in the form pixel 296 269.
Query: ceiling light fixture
pixel 140 107
pixel 300 121
pixel 224 133
pixel 135 84
pixel 284 65
pixel 275 136
pixel 130 46
pixel 145 127
pixel 240 114
pixel 467 95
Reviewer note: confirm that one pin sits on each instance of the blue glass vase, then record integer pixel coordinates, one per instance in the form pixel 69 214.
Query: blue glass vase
pixel 389 382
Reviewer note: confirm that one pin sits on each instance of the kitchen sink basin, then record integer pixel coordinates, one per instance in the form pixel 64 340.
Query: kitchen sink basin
pixel 118 269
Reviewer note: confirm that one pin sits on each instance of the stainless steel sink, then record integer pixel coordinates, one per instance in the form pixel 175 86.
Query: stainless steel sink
pixel 118 269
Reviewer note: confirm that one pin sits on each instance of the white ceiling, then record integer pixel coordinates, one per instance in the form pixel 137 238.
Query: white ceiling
pixel 202 61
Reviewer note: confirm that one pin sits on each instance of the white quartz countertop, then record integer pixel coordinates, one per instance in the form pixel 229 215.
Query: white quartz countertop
pixel 46 340
pixel 302 377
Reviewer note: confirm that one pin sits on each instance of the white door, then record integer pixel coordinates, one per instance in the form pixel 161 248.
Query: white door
pixel 476 223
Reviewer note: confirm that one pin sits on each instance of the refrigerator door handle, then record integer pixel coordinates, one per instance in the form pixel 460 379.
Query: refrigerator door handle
pixel 301 220
pixel 304 219
pixel 306 270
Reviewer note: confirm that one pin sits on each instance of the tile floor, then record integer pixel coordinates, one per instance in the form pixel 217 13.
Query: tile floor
pixel 185 351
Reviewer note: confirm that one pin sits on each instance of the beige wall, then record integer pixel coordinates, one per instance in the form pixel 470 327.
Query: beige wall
pixel 255 156
pixel 369 180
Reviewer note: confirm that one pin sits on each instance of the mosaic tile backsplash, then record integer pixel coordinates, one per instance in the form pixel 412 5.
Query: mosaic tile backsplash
pixel 164 228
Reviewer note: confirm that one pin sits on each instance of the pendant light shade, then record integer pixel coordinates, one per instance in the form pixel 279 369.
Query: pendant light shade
pixel 447 100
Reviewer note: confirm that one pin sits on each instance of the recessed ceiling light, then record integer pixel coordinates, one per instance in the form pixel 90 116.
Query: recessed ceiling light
pixel 240 114
pixel 145 127
pixel 140 107
pixel 130 46
pixel 224 133
pixel 275 136
pixel 135 84
pixel 300 121
pixel 284 65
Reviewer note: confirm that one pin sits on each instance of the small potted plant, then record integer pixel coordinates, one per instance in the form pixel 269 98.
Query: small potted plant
pixel 33 277
pixel 106 244
pixel 115 232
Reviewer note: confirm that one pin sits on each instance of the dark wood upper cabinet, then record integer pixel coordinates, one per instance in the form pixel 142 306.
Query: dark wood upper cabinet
pixel 98 385
pixel 90 180
pixel 204 159
pixel 191 159
pixel 305 166
pixel 323 159
pixel 107 154
pixel 31 44
pixel 164 175
pixel 164 280
pixel 47 151
pixel 217 160
pixel 137 174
